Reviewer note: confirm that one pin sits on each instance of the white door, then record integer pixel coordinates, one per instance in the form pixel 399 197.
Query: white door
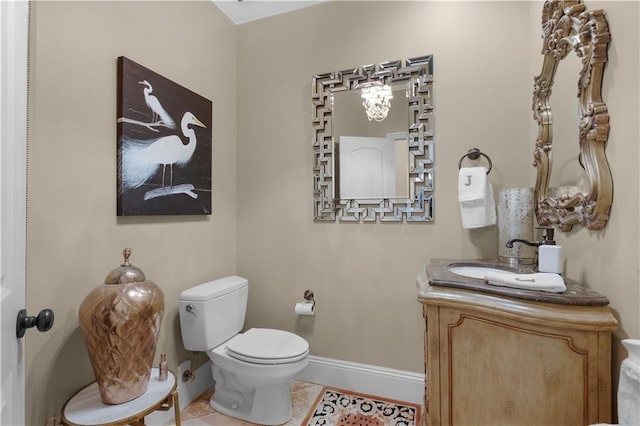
pixel 367 167
pixel 14 22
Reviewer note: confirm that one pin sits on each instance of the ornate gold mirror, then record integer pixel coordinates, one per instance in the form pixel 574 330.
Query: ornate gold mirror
pixel 569 28
pixel 373 142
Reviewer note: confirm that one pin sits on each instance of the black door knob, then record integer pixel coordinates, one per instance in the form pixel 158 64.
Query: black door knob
pixel 43 322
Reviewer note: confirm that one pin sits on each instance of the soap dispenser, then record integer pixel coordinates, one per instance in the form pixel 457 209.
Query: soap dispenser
pixel 549 254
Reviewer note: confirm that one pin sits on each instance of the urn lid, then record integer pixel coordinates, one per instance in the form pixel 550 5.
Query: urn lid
pixel 126 272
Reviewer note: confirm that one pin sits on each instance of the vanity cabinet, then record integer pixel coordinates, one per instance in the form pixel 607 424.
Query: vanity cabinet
pixel 498 360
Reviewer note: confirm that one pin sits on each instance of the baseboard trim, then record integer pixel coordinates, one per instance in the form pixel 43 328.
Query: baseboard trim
pixel 386 382
pixel 187 392
pixel 191 389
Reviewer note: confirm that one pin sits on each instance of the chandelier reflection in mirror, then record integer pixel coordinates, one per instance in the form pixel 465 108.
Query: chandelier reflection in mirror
pixel 414 77
pixel 376 100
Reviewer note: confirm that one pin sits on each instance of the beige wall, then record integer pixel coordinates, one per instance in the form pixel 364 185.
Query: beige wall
pixel 363 275
pixel 486 54
pixel 74 236
pixel 607 261
pixel 259 75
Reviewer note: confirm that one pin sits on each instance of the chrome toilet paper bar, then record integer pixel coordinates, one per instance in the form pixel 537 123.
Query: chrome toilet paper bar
pixel 308 296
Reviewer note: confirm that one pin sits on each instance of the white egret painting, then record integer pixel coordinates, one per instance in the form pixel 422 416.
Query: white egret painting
pixel 164 145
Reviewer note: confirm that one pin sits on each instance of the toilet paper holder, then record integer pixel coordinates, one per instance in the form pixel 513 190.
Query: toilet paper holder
pixel 308 297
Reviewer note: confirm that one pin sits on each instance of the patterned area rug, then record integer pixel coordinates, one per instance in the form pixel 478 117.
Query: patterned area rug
pixel 338 407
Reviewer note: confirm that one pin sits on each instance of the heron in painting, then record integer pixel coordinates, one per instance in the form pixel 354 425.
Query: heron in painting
pixel 156 108
pixel 141 158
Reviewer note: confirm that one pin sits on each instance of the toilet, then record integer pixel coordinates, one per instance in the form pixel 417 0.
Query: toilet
pixel 251 370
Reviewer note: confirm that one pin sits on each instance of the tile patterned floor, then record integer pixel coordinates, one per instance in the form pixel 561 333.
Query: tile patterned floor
pixel 199 412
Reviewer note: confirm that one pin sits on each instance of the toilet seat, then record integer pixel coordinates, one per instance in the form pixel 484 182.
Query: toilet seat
pixel 267 346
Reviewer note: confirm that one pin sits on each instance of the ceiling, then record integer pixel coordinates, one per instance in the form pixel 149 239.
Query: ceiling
pixel 241 11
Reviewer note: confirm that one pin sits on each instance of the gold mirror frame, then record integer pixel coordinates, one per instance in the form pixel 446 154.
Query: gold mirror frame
pixel 568 26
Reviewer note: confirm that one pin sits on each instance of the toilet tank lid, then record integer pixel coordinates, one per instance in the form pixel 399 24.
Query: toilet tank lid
pixel 215 288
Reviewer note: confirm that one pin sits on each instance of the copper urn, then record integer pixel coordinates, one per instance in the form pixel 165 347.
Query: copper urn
pixel 120 321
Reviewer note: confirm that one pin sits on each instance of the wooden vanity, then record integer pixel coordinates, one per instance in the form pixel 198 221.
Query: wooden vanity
pixel 500 356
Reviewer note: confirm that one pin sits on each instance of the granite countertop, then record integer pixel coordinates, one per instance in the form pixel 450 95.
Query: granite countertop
pixel 576 293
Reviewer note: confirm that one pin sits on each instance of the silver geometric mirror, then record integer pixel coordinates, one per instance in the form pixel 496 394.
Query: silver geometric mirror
pixel 373 142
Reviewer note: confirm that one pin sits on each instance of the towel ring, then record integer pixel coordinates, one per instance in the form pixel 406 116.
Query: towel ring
pixel 474 154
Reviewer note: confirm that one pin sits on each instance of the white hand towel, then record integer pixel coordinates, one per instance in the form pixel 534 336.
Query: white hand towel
pixel 542 281
pixel 477 205
pixel 472 183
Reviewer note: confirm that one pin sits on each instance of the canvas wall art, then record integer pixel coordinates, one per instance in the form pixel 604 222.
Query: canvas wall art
pixel 164 145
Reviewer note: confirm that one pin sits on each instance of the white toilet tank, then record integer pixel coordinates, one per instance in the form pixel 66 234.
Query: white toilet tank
pixel 213 312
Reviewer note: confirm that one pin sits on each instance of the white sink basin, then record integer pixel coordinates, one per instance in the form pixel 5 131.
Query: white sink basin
pixel 476 271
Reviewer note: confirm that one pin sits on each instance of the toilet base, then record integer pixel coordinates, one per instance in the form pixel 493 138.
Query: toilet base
pixel 265 406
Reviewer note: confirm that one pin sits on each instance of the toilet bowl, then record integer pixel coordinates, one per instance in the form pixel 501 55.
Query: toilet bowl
pixel 252 386
pixel 251 370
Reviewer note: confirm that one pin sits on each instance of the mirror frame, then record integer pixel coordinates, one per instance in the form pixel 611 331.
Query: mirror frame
pixel 567 27
pixel 417 73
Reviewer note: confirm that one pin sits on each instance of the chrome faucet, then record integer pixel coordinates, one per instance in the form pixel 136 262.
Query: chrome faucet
pixel 547 239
